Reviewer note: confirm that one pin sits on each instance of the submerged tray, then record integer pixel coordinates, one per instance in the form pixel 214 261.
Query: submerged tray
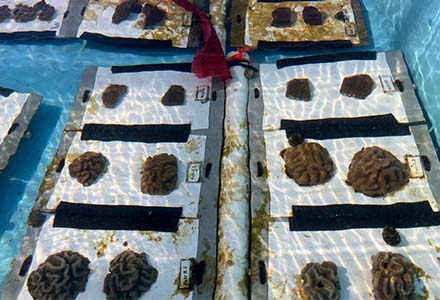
pixel 142 103
pixel 351 251
pixel 16 112
pixel 164 252
pixel 325 78
pixel 120 185
pixel 252 24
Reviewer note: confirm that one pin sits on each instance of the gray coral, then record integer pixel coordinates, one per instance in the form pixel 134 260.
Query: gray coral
pixel 159 176
pixel 23 13
pixel 376 172
pixel 393 276
pixel 88 167
pixel 320 281
pixel 130 276
pixel 113 94
pixel 308 164
pixel 61 277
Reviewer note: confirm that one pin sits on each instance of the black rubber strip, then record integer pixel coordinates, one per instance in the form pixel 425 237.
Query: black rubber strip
pixel 321 45
pixel 327 58
pixel 183 67
pixel 336 128
pixel 341 217
pixel 27 35
pixel 117 217
pixel 137 133
pixel 131 42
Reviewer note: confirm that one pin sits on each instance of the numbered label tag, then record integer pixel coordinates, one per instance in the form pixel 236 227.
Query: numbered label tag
pixel 193 171
pixel 387 83
pixel 415 166
pixel 186 270
pixel 203 93
pixel 350 28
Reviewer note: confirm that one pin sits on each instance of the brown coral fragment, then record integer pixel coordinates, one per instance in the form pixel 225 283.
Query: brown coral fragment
pixel 308 164
pixel 124 9
pixel 175 95
pixel 391 236
pixel 130 276
pixel 298 89
pixel 153 15
pixel 376 172
pixel 393 276
pixel 62 276
pixel 159 176
pixel 357 86
pixel 23 13
pixel 5 13
pixel 88 167
pixel 282 17
pixel 113 94
pixel 320 281
pixel 312 16
pixel 47 11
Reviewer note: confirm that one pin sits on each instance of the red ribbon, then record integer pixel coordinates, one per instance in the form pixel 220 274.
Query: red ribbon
pixel 210 60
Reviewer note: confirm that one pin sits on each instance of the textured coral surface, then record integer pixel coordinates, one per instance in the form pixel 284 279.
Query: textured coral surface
pixel 308 164
pixel 124 9
pixel 159 176
pixel 61 277
pixel 113 94
pixel 391 236
pixel 153 15
pixel 282 16
pixel 130 276
pixel 320 281
pixel 357 86
pixel 393 276
pixel 376 172
pixel 23 13
pixel 175 95
pixel 298 89
pixel 46 11
pixel 312 16
pixel 88 167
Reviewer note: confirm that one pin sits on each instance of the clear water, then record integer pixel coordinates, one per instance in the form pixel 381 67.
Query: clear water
pixel 54 70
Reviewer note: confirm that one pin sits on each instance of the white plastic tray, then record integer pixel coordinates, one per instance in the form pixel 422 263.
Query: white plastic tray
pixel 10 109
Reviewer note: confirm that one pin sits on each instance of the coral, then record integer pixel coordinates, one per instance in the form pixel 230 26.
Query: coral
pixel 153 15
pixel 124 9
pixel 47 11
pixel 312 16
pixel 298 89
pixel 282 17
pixel 391 236
pixel 376 172
pixel 5 13
pixel 393 276
pixel 295 139
pixel 320 281
pixel 308 164
pixel 23 13
pixel 88 167
pixel 159 176
pixel 130 276
pixel 62 276
pixel 340 15
pixel 357 86
pixel 113 94
pixel 175 95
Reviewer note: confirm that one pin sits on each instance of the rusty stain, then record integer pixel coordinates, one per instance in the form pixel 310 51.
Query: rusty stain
pixel 231 142
pixel 185 293
pixel 151 235
pixel 92 106
pixel 193 144
pixel 108 237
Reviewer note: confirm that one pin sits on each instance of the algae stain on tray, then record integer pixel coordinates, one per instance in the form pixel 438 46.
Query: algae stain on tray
pixel 102 245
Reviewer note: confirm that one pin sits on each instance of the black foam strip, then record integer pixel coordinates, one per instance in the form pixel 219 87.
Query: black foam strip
pixel 117 217
pixel 306 45
pixel 131 42
pixel 327 58
pixel 341 217
pixel 27 35
pixel 336 128
pixel 137 133
pixel 182 67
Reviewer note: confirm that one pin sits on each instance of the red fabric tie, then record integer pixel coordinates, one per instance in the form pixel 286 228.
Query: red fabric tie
pixel 210 60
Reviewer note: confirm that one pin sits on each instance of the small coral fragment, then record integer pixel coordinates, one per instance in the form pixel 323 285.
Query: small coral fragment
pixel 282 17
pixel 357 86
pixel 298 89
pixel 312 16
pixel 124 9
pixel 174 96
pixel 113 94
pixel 88 167
pixel 159 176
pixel 153 15
pixel 5 13
pixel 23 13
pixel 320 281
pixel 391 236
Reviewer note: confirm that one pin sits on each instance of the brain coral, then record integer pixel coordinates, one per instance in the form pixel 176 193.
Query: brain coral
pixel 320 281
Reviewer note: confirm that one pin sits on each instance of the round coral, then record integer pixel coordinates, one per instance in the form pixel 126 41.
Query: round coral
pixel 62 276
pixel 393 276
pixel 23 13
pixel 320 281
pixel 88 167
pixel 308 164
pixel 130 276
pixel 159 176
pixel 376 172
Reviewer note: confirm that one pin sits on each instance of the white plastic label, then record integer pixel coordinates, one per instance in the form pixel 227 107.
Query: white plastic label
pixel 415 166
pixel 185 274
pixel 193 171
pixel 387 83
pixel 202 94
